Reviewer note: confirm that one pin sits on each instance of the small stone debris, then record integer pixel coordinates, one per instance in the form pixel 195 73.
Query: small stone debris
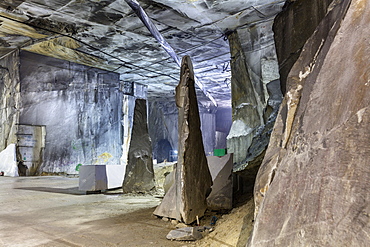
pixel 188 233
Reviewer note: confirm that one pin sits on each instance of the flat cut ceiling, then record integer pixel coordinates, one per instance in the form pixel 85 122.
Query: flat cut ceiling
pixel 108 34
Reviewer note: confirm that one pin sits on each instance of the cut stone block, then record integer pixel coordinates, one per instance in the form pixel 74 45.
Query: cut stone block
pixel 100 177
pixel 186 199
pixel 221 196
pixel 139 176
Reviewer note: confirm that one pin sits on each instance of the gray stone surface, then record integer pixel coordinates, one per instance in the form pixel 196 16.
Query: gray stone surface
pixel 186 199
pixel 139 176
pixel 221 196
pixel 312 188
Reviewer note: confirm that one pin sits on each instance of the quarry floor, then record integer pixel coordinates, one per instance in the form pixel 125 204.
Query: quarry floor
pixel 51 211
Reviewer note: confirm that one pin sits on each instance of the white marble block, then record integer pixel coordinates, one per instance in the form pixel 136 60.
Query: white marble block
pixel 101 177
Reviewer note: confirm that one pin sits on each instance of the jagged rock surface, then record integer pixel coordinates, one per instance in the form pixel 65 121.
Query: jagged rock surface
pixel 312 188
pixel 186 199
pixel 139 176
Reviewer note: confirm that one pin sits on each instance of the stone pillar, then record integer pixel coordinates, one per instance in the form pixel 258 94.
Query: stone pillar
pixel 244 104
pixel 186 199
pixel 255 91
pixel 139 176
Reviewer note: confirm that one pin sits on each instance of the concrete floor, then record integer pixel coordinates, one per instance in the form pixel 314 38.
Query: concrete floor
pixel 50 211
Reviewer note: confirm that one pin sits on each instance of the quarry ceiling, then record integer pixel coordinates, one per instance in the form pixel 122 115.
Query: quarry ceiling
pixel 108 34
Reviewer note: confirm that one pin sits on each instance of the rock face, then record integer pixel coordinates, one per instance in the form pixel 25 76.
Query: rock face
pixel 139 171
pixel 186 199
pixel 244 103
pixel 312 188
pixel 80 107
pixel 255 97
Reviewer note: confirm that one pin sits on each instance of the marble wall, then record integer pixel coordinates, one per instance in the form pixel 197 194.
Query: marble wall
pixel 80 106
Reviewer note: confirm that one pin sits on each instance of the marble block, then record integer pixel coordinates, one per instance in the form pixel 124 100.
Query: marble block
pixel 101 177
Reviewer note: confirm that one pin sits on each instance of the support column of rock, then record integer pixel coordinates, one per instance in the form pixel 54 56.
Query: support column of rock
pixel 255 89
pixel 139 176
pixel 244 104
pixel 186 199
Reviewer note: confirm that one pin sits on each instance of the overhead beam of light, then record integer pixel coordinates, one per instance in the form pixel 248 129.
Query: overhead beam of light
pixel 139 11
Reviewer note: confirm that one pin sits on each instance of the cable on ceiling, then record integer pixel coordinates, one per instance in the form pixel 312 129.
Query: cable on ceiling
pixel 124 63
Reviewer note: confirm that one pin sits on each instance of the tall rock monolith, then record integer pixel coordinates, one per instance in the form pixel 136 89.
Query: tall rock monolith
pixel 139 177
pixel 313 186
pixel 186 199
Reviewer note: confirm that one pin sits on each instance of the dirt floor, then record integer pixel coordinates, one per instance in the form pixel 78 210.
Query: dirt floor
pixel 50 211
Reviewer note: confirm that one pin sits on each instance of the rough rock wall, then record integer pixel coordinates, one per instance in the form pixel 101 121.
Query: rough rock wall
pixel 9 93
pixel 81 108
pixel 312 188
pixel 292 27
